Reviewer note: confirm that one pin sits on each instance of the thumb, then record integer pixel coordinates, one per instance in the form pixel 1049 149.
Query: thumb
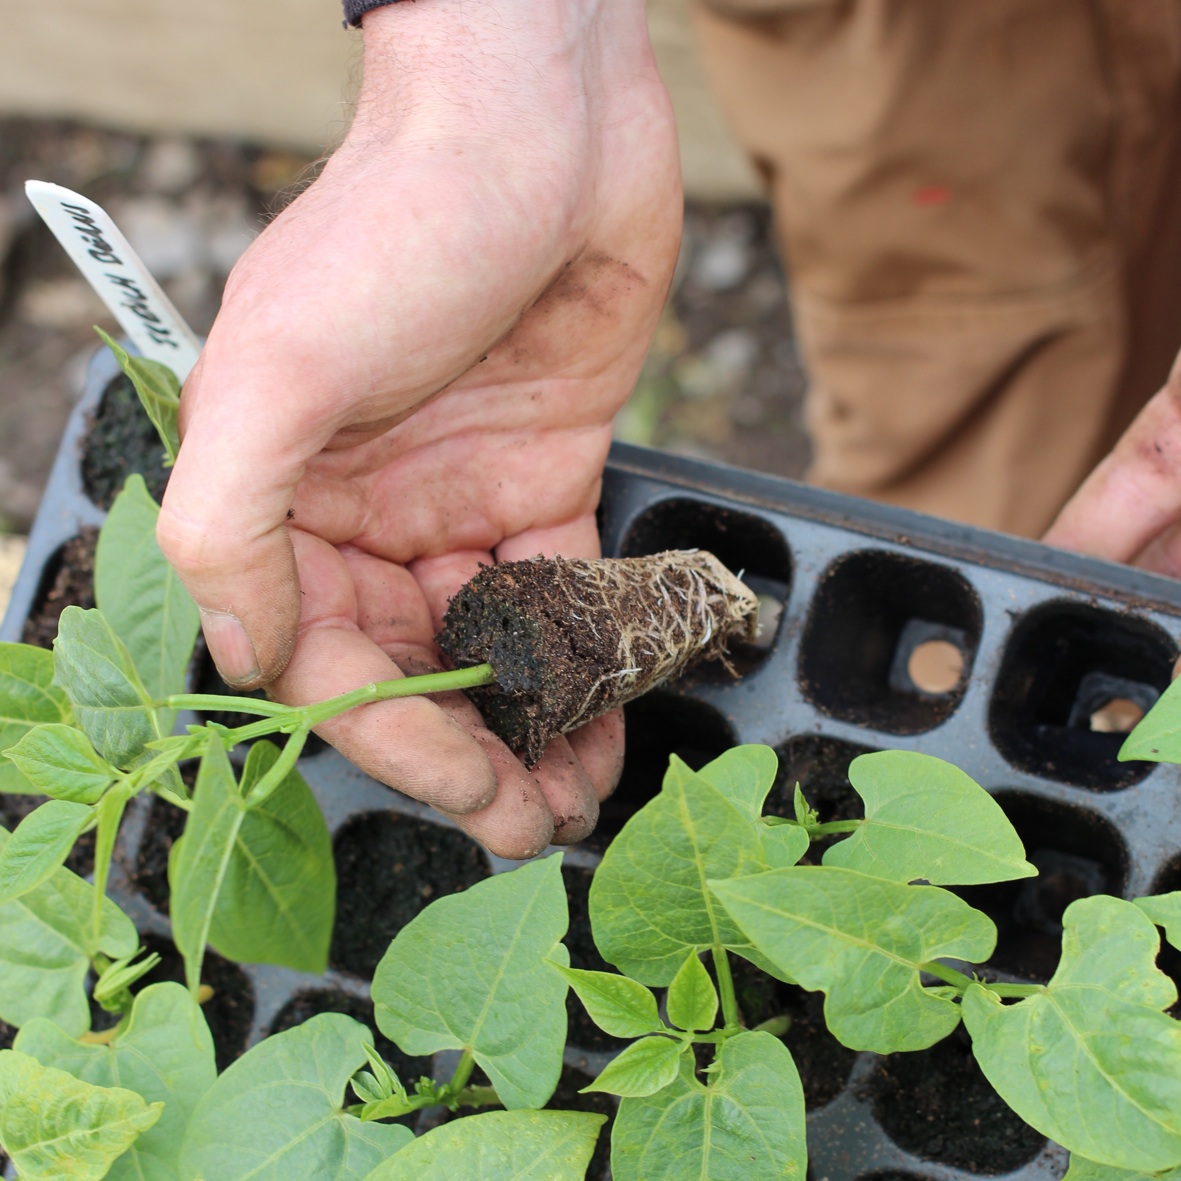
pixel 223 527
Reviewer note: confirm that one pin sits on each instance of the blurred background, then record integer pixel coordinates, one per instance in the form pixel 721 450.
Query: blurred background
pixel 195 123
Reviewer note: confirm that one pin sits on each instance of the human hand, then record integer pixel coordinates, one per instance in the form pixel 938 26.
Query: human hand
pixel 415 370
pixel 1129 508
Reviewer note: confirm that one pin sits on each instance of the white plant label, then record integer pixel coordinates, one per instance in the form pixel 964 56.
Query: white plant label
pixel 118 275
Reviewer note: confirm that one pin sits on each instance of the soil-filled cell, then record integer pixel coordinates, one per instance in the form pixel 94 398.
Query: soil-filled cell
pixel 583 1032
pixel 824 1064
pixel 67 581
pixel 820 766
pixel 747 545
pixel 1064 665
pixel 872 613
pixel 121 440
pixel 14 808
pixel 1078 853
pixel 335 1000
pixel 388 868
pixel 165 823
pixel 658 726
pixel 230 1009
pixel 937 1104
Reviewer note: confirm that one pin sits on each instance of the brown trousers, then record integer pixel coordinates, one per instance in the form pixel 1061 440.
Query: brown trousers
pixel 979 203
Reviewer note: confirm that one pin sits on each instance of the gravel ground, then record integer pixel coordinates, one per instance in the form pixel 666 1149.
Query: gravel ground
pixel 722 380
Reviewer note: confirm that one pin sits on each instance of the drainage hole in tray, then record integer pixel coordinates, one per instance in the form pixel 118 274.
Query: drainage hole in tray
pixel 658 725
pixel 748 545
pixel 388 868
pixel 1074 680
pixel 890 641
pixel 1078 854
pixel 938 1105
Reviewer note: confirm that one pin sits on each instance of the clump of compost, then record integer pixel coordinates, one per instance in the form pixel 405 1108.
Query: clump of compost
pixel 571 639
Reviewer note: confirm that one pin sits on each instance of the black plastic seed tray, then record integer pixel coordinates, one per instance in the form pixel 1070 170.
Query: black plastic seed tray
pixel 1040 657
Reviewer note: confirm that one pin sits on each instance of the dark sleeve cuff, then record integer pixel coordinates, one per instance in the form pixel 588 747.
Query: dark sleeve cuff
pixel 355 9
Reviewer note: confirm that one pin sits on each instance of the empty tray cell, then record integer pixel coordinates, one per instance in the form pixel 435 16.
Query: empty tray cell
pixel 388 868
pixel 1073 681
pixel 748 545
pixel 938 1105
pixel 658 725
pixel 890 641
pixel 1077 852
pixel 66 581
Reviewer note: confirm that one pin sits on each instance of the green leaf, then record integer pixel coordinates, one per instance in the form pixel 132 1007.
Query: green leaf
pixel 277 894
pixel 648 903
pixel 925 818
pixel 28 698
pixel 470 973
pixel 748 1124
pixel 164 1053
pixel 198 866
pixel 744 775
pixel 643 1068
pixel 98 675
pixel 1157 736
pixel 616 1004
pixel 692 998
pixel 1091 1061
pixel 159 393
pixel 41 842
pixel 862 941
pixel 54 1126
pixel 276 1113
pixel 1087 1170
pixel 59 761
pixel 499 1146
pixel 1165 911
pixel 45 947
pixel 141 596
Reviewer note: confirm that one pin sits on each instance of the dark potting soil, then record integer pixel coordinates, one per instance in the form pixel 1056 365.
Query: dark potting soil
pixel 388 868
pixel 937 1104
pixel 7 1035
pixel 583 1032
pixel 824 1064
pixel 229 1011
pixel 335 1000
pixel 13 809
pixel 165 823
pixel 121 440
pixel 570 640
pixel 68 582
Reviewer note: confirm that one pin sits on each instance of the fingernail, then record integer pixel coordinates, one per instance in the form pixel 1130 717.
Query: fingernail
pixel 230 647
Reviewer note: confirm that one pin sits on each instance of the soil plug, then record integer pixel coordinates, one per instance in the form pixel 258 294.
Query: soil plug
pixel 570 639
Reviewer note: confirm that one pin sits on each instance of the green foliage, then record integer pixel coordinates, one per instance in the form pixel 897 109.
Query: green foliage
pixel 648 903
pixel 926 819
pixel 1087 1170
pixel 41 842
pixel 747 1124
pixel 53 1125
pixel 257 883
pixel 277 1112
pixel 1091 1061
pixel 141 596
pixel 163 1053
pixel 1165 911
pixel 645 1067
pixel 28 699
pixel 60 761
pixel 158 389
pixel 618 1005
pixel 500 1146
pixel 471 973
pixel 863 941
pixel 94 668
pixel 692 998
pixel 46 943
